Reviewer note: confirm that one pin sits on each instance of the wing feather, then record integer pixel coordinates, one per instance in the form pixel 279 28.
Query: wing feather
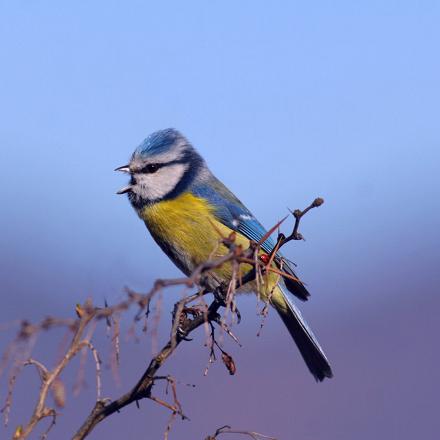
pixel 230 211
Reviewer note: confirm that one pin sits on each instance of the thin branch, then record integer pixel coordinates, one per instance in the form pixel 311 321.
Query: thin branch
pixel 49 413
pixel 98 363
pixel 143 388
pixel 228 430
pixel 42 370
pixel 186 319
pixel 40 410
pixel 298 214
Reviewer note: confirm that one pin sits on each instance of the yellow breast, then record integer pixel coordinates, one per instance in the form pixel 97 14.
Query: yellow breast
pixel 188 225
pixel 189 233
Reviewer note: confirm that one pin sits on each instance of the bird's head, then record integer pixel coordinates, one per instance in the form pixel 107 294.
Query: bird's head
pixel 161 167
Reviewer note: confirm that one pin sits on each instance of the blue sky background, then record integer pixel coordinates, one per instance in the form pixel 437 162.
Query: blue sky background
pixel 287 102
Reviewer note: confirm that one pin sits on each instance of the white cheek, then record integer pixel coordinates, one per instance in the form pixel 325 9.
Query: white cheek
pixel 159 184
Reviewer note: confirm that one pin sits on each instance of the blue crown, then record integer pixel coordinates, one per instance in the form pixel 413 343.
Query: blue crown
pixel 159 142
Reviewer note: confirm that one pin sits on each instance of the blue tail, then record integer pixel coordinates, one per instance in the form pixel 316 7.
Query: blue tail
pixel 304 338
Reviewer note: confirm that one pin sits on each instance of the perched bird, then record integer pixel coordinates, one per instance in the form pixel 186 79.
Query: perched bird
pixel 184 206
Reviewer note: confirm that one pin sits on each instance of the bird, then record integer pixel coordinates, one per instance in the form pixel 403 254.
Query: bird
pixel 185 207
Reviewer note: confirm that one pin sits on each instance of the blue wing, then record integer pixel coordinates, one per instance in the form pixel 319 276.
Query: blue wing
pixel 232 213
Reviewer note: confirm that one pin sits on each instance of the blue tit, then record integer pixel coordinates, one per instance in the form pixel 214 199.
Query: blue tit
pixel 184 206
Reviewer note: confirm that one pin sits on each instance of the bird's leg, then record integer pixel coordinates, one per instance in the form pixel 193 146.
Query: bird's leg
pixel 184 319
pixel 180 329
pixel 180 318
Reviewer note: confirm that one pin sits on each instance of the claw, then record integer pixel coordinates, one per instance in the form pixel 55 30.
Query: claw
pixel 183 320
pixel 181 334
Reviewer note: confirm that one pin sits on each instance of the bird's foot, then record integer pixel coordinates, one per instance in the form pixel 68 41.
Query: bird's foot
pixel 183 320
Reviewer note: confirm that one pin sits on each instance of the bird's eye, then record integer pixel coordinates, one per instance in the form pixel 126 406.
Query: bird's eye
pixel 151 168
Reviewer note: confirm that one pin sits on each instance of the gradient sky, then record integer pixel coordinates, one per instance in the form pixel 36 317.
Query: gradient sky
pixel 287 102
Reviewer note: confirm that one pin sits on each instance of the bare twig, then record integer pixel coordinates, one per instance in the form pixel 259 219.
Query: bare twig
pixel 298 214
pixel 187 318
pixel 42 370
pixel 41 410
pixel 143 388
pixel 228 430
pixel 97 366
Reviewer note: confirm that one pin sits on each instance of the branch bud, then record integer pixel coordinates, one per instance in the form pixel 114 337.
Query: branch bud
pixel 79 310
pixel 18 432
pixel 298 213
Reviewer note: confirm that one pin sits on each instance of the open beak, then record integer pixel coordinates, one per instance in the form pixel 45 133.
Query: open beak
pixel 123 169
pixel 124 190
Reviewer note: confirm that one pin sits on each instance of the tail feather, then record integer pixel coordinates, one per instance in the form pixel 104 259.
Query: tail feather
pixel 304 338
pixel 293 286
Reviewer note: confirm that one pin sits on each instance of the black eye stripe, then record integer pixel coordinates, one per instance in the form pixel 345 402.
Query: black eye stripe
pixel 153 167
